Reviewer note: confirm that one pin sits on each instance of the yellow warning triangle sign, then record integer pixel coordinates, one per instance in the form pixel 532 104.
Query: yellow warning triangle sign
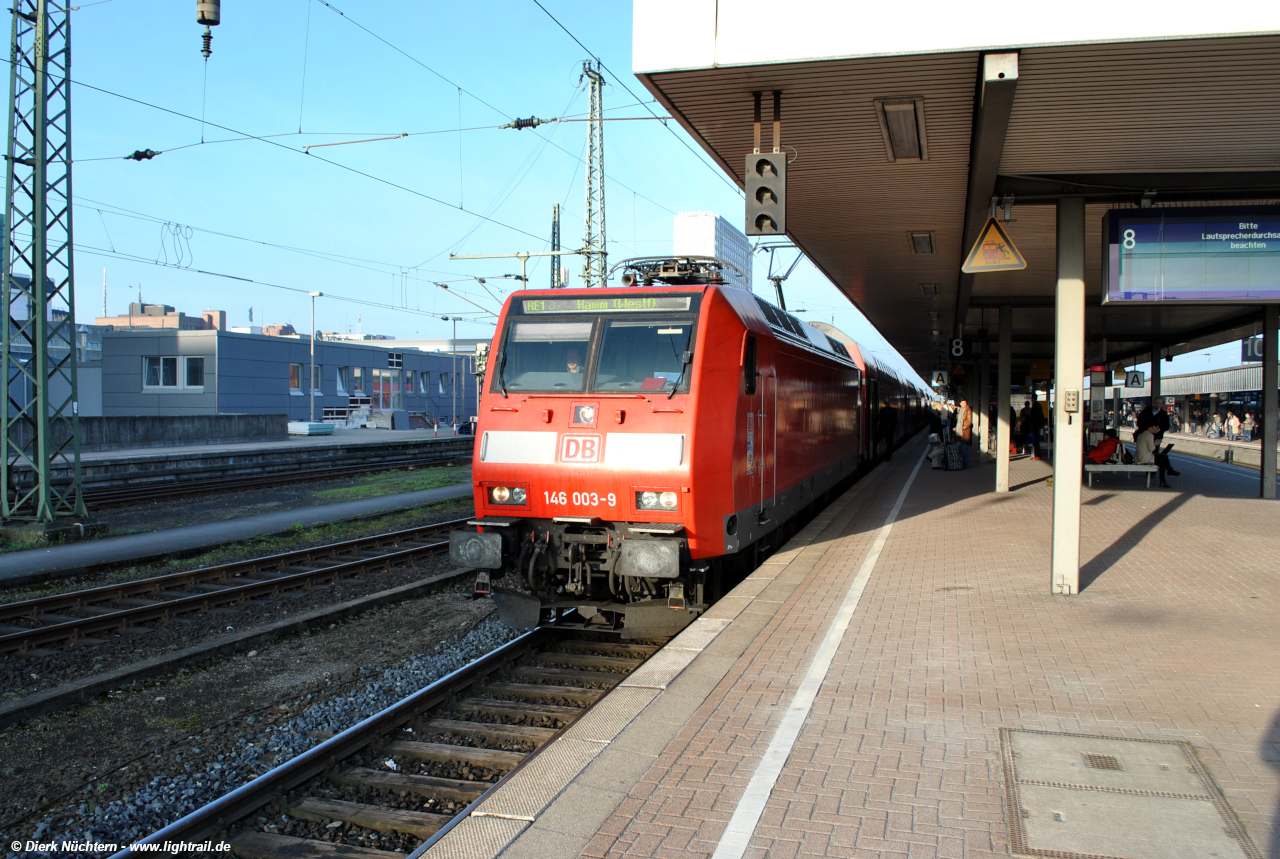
pixel 993 251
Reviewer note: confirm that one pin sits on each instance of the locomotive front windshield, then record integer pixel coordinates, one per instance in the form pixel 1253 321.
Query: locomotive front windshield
pixel 609 352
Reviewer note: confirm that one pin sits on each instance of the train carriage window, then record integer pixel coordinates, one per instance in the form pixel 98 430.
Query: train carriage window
pixel 749 366
pixel 545 356
pixel 644 355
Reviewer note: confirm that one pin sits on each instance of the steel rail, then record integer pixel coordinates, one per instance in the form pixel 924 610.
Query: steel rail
pixel 126 618
pixel 32 608
pixel 205 822
pixel 196 482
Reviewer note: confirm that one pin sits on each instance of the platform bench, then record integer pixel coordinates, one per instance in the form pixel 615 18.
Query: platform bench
pixel 1147 468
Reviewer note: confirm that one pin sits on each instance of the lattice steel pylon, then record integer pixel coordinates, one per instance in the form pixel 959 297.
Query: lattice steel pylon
pixel 40 469
pixel 593 242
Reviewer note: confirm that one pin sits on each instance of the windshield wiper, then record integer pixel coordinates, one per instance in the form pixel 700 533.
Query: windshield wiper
pixel 502 376
pixel 685 360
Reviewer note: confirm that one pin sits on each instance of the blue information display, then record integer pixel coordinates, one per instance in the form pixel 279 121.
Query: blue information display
pixel 1208 254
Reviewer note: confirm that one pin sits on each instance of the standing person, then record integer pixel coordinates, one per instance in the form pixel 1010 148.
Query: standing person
pixel 964 429
pixel 888 428
pixel 1248 426
pixel 1233 427
pixel 1032 421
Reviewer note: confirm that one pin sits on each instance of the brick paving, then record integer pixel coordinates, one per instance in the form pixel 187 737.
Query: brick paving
pixel 956 637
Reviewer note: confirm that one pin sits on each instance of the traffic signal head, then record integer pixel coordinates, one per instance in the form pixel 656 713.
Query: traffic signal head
pixel 766 194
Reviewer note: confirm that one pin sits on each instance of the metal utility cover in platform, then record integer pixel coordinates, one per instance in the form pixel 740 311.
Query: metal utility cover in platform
pixel 1073 796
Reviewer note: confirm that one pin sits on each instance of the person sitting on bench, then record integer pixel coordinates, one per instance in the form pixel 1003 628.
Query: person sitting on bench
pixel 1105 449
pixel 1148 454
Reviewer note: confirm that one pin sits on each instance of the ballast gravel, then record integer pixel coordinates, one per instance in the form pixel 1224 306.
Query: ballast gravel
pixel 167 798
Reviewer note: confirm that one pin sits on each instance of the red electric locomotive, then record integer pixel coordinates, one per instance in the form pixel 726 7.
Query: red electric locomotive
pixel 633 443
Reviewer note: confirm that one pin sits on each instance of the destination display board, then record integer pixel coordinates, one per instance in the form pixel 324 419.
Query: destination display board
pixel 632 304
pixel 1202 254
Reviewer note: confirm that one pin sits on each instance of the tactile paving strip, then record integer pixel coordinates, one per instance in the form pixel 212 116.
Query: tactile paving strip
pixel 477 838
pixel 612 714
pixel 532 788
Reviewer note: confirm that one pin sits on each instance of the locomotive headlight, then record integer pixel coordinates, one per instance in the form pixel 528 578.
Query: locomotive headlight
pixel 584 414
pixel 517 495
pixel 657 500
pixel 500 494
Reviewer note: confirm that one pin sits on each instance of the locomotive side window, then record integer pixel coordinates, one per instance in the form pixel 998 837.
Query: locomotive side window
pixel 545 356
pixel 749 366
pixel 645 355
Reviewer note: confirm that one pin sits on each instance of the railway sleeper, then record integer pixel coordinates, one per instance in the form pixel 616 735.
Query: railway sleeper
pixel 420 823
pixel 641 651
pixel 493 759
pixel 575 694
pixel 513 710
pixel 486 731
pixel 264 845
pixel 569 676
pixel 588 660
pixel 429 786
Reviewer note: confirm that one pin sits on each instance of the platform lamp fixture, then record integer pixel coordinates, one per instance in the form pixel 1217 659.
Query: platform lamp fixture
pixel 311 378
pixel 453 380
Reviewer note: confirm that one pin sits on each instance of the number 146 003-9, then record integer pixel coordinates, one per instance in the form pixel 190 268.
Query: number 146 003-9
pixel 579 499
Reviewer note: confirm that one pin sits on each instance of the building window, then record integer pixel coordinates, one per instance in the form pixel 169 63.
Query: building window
pixel 342 379
pixel 440 382
pixel 424 382
pixel 317 378
pixel 295 378
pixel 408 382
pixel 195 372
pixel 357 380
pixel 395 360
pixel 159 371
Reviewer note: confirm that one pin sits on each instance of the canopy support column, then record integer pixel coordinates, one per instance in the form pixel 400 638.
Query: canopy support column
pixel 1068 414
pixel 984 401
pixel 1270 356
pixel 1004 379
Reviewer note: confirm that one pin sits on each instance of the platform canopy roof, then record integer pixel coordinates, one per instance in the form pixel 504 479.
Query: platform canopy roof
pixel 1126 104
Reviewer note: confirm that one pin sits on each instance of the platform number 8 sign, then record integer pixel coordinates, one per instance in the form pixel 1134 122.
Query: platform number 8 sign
pixel 961 350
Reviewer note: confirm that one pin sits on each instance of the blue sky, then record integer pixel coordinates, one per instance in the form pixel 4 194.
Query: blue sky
pixel 376 225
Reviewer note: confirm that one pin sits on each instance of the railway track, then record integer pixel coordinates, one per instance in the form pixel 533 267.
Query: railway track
pixel 406 774
pixel 74 618
pixel 181 485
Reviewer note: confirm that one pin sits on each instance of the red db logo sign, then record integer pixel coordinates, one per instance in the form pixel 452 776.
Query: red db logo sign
pixel 580 448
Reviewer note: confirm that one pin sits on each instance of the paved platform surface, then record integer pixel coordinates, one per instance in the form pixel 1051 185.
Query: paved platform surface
pixel 953 637
pixel 69 558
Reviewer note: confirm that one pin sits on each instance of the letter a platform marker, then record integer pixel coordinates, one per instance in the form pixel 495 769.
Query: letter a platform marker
pixel 993 251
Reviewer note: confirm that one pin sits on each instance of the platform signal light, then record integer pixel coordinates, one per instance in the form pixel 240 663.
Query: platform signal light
pixel 766 194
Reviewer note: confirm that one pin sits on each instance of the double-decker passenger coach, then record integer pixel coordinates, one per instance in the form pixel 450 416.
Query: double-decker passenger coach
pixel 634 443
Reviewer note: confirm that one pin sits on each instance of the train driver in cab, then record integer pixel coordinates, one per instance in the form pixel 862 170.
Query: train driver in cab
pixel 573 359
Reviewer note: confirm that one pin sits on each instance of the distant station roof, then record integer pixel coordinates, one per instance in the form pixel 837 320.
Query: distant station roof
pixel 904 124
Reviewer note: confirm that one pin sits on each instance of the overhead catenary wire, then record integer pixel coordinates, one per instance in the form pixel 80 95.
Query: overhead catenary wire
pixel 623 84
pixel 337 164
pixel 503 113
pixel 103 252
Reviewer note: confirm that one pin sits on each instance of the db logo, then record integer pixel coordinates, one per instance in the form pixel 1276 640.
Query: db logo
pixel 580 448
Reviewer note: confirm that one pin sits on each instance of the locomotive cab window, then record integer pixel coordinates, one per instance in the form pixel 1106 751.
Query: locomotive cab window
pixel 545 356
pixel 645 355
